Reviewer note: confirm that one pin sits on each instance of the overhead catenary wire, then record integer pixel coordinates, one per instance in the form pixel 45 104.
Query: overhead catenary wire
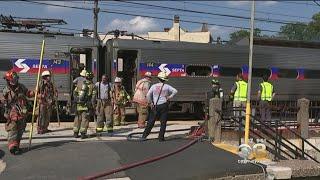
pixel 147 16
pixel 247 10
pixel 210 13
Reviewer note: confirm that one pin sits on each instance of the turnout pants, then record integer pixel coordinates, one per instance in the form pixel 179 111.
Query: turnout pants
pixel 142 115
pixel 159 112
pixel 44 118
pixel 119 115
pixel 104 115
pixel 265 111
pixel 15 128
pixel 239 111
pixel 81 122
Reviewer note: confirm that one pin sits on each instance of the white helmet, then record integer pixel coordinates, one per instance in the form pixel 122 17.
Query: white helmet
pixel 163 76
pixel 83 73
pixel 117 80
pixel 45 73
pixel 148 74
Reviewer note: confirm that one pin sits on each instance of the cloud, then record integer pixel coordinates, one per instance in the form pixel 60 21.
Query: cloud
pixel 136 25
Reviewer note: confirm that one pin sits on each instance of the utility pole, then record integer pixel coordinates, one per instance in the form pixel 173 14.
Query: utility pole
pixel 248 108
pixel 96 12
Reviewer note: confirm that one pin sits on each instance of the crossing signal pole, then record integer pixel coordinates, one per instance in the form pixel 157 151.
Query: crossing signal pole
pixel 248 108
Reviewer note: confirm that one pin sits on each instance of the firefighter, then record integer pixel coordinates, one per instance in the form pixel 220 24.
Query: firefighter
pixel 266 94
pixel 140 97
pixel 104 105
pixel 86 99
pixel 216 90
pixel 79 80
pixel 47 95
pixel 239 94
pixel 120 99
pixel 15 98
pixel 158 95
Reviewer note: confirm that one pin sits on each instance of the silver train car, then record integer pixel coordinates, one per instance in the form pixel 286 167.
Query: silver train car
pixel 63 53
pixel 293 67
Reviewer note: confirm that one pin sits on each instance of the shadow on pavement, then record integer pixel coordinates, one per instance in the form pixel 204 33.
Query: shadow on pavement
pixel 46 145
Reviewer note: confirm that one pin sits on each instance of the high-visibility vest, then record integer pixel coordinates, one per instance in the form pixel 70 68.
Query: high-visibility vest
pixel 267 90
pixel 241 92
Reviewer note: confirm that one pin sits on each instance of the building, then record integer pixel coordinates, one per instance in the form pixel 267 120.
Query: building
pixel 176 33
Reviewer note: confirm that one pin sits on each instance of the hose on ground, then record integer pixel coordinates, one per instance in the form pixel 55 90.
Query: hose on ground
pixel 139 163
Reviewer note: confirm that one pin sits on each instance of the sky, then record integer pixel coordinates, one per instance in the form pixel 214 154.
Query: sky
pixel 283 11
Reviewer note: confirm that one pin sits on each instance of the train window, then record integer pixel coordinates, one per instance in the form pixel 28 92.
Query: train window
pixel 229 71
pixel 198 70
pixel 259 72
pixel 287 73
pixel 312 74
pixel 5 64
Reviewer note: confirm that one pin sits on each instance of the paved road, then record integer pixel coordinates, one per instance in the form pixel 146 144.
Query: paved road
pixel 71 159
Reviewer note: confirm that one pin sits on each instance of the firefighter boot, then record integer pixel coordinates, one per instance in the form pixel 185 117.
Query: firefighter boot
pixel 76 135
pixel 84 136
pixel 15 150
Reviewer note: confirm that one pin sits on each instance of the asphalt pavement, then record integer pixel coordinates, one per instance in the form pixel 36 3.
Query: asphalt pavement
pixel 71 159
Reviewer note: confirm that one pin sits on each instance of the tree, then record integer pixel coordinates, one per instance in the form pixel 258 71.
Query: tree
pixel 302 31
pixel 238 35
pixel 295 31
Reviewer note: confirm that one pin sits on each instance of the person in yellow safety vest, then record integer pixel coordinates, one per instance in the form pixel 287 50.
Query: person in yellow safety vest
pixel 86 97
pixel 120 99
pixel 239 94
pixel 266 94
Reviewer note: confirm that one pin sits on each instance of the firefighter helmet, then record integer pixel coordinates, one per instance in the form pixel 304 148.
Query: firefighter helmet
pixel 45 73
pixel 89 75
pixel 83 73
pixel 163 76
pixel 215 81
pixel 148 74
pixel 11 75
pixel 117 80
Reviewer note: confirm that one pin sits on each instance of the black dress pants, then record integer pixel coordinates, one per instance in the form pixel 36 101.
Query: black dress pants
pixel 159 112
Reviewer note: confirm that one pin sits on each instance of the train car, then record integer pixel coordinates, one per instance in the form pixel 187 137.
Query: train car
pixel 63 53
pixel 292 66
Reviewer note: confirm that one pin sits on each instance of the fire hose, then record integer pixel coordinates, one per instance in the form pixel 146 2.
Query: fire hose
pixel 150 159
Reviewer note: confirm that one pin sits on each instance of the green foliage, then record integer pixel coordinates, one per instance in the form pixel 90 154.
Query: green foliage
pixel 309 31
pixel 302 31
pixel 235 36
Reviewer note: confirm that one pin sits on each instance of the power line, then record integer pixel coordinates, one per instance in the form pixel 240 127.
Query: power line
pixel 316 3
pixel 147 16
pixel 246 10
pixel 209 13
pixel 298 3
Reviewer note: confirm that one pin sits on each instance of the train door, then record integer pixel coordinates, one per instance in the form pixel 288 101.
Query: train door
pixel 80 58
pixel 127 68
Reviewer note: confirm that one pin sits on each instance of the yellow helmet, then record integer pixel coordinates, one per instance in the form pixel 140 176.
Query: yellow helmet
pixel 83 73
pixel 163 76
